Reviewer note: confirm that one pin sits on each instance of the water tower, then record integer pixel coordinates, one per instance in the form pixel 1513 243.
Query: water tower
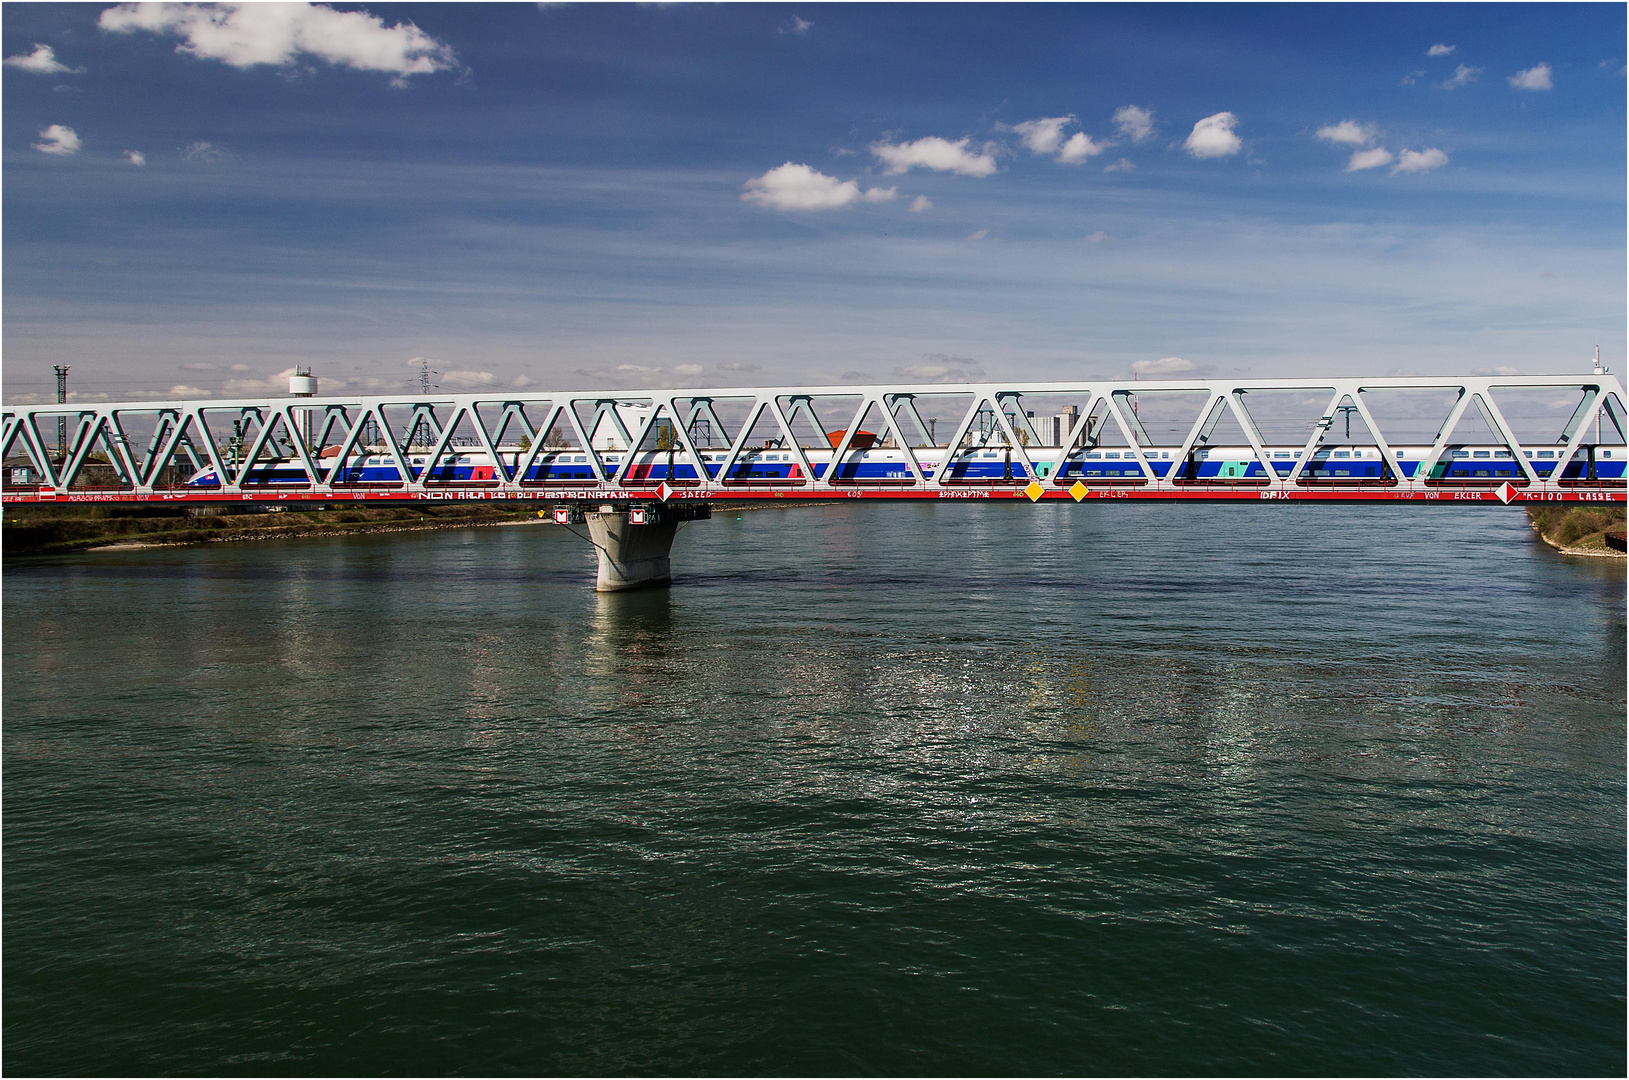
pixel 303 384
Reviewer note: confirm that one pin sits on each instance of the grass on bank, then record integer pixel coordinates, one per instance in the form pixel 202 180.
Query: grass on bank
pixel 1575 527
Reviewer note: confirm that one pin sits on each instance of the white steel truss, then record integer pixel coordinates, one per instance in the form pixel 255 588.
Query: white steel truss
pixel 320 435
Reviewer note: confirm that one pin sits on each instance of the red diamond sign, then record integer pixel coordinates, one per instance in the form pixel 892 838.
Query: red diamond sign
pixel 663 491
pixel 1505 493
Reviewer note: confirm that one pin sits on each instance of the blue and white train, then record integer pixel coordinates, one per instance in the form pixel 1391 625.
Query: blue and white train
pixel 1334 465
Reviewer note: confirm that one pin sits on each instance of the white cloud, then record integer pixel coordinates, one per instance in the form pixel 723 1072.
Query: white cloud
pixel 1166 366
pixel 135 157
pixel 1213 137
pixel 1045 136
pixel 798 187
pixel 1123 165
pixel 42 61
pixel 206 152
pixel 1412 77
pixel 1349 133
pixel 468 378
pixel 1097 237
pixel 979 235
pixel 271 384
pixel 1439 50
pixel 1042 136
pixel 737 365
pixel 246 35
pixel 521 381
pixel 58 139
pixel 935 153
pixel 639 375
pixel 1462 76
pixel 1414 161
pixel 1079 147
pixel 798 26
pixel 941 368
pixel 1502 369
pixel 921 203
pixel 1534 78
pixel 1369 159
pixel 1134 123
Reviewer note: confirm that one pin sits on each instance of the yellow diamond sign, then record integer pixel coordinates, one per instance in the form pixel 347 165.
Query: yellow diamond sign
pixel 1034 491
pixel 1079 491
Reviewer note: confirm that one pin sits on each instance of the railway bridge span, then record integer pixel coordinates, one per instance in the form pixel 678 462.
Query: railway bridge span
pixel 633 463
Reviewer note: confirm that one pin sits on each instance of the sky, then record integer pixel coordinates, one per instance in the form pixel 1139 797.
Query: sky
pixel 198 198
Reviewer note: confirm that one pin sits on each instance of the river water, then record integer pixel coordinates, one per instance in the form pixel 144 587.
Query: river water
pixel 872 789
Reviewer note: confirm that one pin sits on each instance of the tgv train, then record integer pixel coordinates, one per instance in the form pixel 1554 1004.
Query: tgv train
pixel 1333 464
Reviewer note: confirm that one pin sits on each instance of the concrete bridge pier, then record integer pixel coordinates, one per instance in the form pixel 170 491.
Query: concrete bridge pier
pixel 634 543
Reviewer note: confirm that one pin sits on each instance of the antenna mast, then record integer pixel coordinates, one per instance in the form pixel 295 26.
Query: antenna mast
pixel 62 421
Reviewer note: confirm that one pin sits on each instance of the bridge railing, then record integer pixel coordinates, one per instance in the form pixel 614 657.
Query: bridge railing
pixel 144 448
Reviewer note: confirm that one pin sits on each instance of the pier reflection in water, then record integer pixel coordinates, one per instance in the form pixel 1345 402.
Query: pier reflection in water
pixel 870 789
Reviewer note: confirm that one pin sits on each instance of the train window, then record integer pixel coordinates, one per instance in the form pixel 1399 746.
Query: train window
pixel 1606 453
pixel 1501 453
pixel 1281 453
pixel 1480 472
pixel 1462 453
pixel 1545 454
pixel 1342 454
pixel 1483 453
pixel 1112 455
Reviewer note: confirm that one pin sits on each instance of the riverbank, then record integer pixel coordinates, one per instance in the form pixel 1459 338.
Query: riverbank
pixel 54 530
pixel 48 530
pixel 1579 530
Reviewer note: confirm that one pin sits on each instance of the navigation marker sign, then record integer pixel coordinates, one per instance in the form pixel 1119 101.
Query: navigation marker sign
pixel 1505 492
pixel 1035 491
pixel 1079 491
pixel 663 491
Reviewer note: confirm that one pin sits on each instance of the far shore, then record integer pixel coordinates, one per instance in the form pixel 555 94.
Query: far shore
pixel 56 530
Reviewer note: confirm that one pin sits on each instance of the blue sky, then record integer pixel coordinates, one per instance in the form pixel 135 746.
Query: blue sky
pixel 576 196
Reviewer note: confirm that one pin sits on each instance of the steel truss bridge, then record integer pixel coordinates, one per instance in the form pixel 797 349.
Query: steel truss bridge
pixel 154 451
